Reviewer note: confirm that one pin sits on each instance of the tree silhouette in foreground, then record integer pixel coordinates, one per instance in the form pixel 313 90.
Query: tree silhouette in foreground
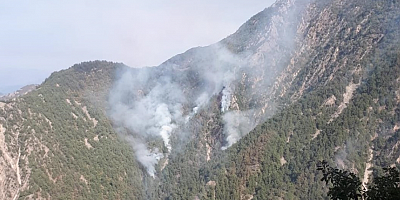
pixel 346 185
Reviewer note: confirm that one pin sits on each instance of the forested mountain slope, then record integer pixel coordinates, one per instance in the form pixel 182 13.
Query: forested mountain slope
pixel 245 118
pixel 57 144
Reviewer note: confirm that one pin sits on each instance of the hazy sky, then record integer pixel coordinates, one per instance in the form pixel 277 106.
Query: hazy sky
pixel 42 36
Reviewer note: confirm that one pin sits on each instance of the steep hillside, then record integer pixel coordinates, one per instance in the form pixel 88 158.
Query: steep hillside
pixel 344 108
pixel 56 143
pixel 335 51
pixel 245 118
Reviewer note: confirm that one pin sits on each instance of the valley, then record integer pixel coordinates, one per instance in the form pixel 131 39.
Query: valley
pixel 248 117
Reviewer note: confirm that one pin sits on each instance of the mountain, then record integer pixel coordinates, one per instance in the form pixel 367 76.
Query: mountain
pixel 22 91
pixel 246 118
pixel 56 143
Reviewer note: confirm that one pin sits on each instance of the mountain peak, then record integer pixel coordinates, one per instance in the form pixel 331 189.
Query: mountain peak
pixel 246 118
pixel 90 66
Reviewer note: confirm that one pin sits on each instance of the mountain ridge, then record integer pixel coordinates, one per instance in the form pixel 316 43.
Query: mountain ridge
pixel 245 118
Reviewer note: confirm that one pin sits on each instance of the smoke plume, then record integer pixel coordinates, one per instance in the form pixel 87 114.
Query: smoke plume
pixel 226 99
pixel 144 156
pixel 237 124
pixel 159 102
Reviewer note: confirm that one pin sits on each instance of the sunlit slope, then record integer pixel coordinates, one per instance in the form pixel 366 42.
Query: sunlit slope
pixel 59 144
pixel 245 118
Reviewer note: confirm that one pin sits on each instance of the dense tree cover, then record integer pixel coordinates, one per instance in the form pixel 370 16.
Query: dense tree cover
pixel 278 158
pixel 71 156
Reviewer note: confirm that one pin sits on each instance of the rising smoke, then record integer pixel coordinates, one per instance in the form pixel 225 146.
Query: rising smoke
pixel 146 157
pixel 147 113
pixel 159 102
pixel 152 104
pixel 237 124
pixel 226 99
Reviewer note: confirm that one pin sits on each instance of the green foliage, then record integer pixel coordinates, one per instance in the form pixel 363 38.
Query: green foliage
pixel 69 156
pixel 346 185
pixel 255 161
pixel 386 187
pixel 277 160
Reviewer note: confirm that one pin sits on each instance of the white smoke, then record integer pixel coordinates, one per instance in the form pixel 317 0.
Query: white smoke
pixel 147 114
pixel 153 102
pixel 237 124
pixel 160 102
pixel 144 156
pixel 164 124
pixel 201 101
pixel 225 99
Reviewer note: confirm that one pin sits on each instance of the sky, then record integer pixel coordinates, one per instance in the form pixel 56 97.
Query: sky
pixel 43 36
